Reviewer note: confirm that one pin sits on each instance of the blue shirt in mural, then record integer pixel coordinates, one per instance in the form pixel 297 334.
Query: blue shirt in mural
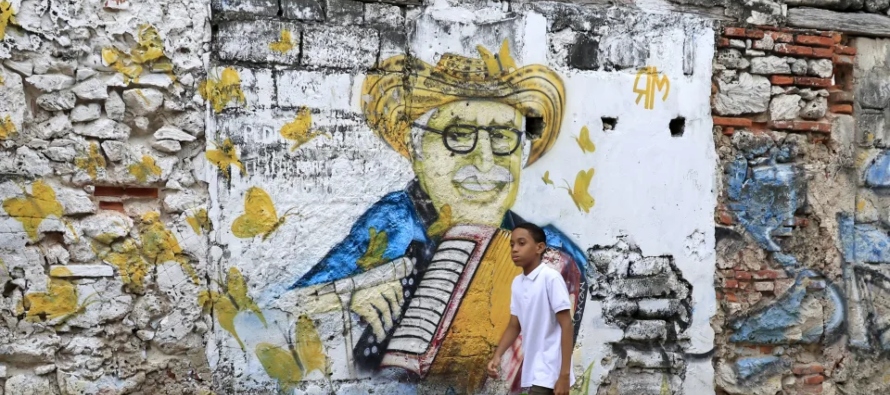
pixel 406 216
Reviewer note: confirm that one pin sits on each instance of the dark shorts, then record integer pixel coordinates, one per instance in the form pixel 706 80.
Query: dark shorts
pixel 538 390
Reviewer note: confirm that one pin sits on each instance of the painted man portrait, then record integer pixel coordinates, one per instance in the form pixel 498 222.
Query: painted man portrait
pixel 468 126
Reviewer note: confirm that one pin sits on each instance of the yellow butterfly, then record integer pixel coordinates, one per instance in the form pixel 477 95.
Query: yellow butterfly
pixel 159 244
pixel 59 300
pixel 584 141
pixel 286 43
pixel 298 129
pixel 580 194
pixel 442 223
pixel 228 303
pixel 34 207
pixel 304 355
pixel 127 257
pixel 7 128
pixel 546 178
pixel 220 91
pixel 144 169
pixel 199 221
pixel 377 244
pixel 92 162
pixel 149 47
pixel 259 216
pixel 224 157
pixel 6 17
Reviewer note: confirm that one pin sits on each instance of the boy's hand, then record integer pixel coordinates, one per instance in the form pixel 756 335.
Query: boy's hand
pixel 562 385
pixel 494 366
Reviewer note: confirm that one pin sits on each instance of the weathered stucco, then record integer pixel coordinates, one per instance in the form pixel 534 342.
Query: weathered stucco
pixel 316 197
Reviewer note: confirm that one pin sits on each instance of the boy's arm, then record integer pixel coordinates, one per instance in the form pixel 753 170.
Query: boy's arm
pixel 564 318
pixel 507 339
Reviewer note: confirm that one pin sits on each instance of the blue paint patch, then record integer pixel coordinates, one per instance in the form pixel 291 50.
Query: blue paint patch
pixel 878 174
pixel 863 243
pixel 787 261
pixel 736 172
pixel 767 201
pixel 772 324
pixel 748 368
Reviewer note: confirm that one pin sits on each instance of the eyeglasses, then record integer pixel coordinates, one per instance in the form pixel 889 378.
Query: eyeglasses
pixel 462 139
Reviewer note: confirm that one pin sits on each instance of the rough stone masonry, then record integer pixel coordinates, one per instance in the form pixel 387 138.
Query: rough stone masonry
pixel 316 196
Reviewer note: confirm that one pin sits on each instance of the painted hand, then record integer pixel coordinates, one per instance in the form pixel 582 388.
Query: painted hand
pixel 380 306
pixel 494 367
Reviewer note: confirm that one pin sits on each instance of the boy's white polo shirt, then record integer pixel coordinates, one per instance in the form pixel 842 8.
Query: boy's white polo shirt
pixel 535 299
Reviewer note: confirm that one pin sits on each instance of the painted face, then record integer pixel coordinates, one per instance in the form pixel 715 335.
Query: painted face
pixel 470 158
pixel 523 248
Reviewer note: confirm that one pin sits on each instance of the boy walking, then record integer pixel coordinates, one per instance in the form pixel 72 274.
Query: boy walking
pixel 540 309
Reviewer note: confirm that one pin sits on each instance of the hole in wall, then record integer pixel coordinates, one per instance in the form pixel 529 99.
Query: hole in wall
pixel 534 127
pixel 677 126
pixel 609 123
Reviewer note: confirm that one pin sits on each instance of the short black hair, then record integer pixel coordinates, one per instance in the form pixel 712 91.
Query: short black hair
pixel 537 233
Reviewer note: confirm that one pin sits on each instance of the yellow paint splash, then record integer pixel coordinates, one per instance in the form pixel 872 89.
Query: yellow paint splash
pixel 227 304
pixel 377 244
pixel 286 43
pixel 220 91
pixel 92 162
pixel 60 271
pixel 199 221
pixel 7 128
pixel 59 300
pixel 34 207
pixel 148 52
pixel 6 17
pixel 546 178
pixel 127 257
pixel 860 204
pixel 584 141
pixel 145 168
pixel 159 245
pixel 298 129
pixel 580 194
pixel 443 223
pixel 224 157
pixel 305 355
pixel 259 218
pixel 497 64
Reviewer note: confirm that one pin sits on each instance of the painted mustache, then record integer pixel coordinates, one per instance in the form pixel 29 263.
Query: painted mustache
pixel 470 178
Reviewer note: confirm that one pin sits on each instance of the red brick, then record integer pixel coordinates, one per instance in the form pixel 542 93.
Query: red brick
pixel 115 206
pixel 725 218
pixel 730 284
pixel 781 80
pixel 827 53
pixel 722 42
pixel 835 36
pixel 840 97
pixel 742 275
pixel 108 191
pixel 814 379
pixel 813 81
pixel 767 349
pixel 841 109
pixel 734 32
pixel 781 37
pixel 801 222
pixel 787 49
pixel 768 274
pixel 728 131
pixel 719 295
pixel 846 60
pixel 803 369
pixel 738 32
pixel 809 126
pixel 815 40
pixel 142 192
pixel 844 50
pixel 731 297
pixel 782 125
pixel 728 121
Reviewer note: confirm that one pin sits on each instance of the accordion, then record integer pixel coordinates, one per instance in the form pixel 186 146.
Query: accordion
pixel 457 306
